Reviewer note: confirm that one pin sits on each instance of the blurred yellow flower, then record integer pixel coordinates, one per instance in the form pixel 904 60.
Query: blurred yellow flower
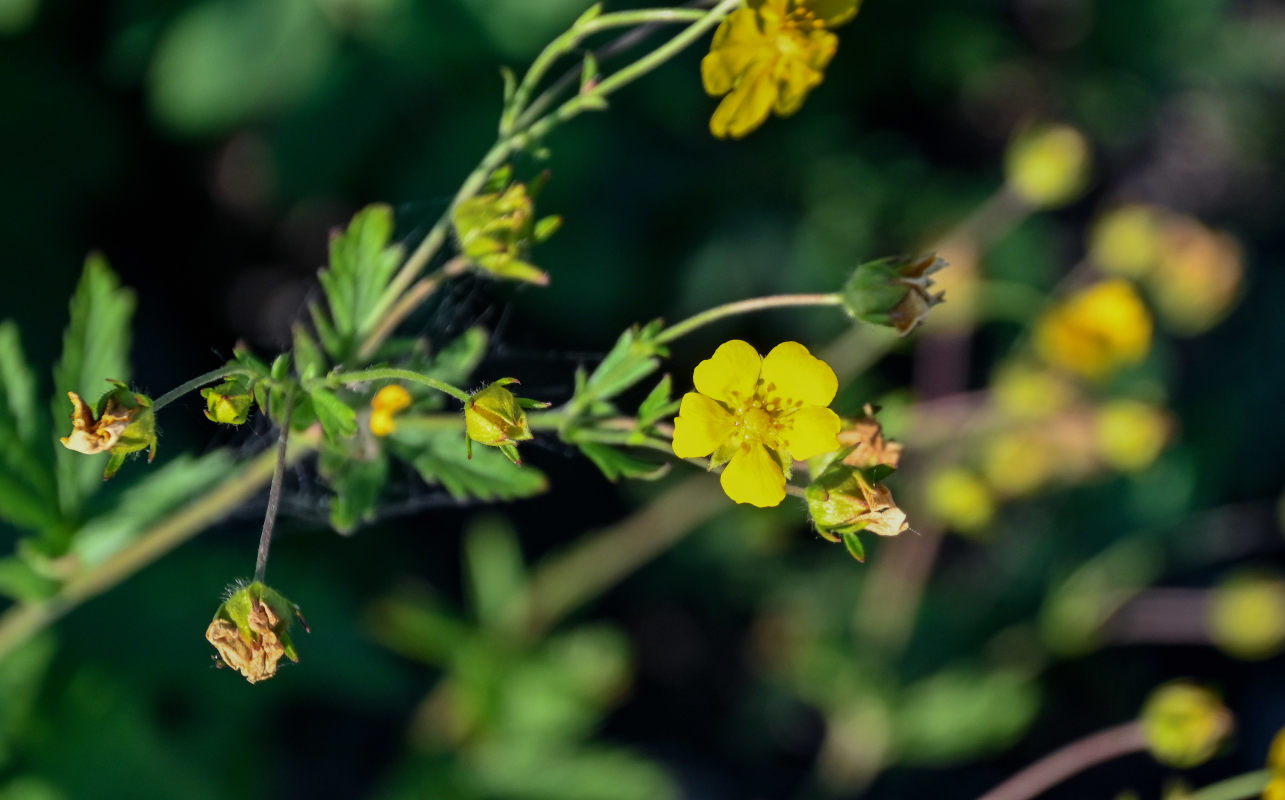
pixel 1096 331
pixel 1246 616
pixel 1131 434
pixel 1048 165
pixel 758 415
pixel 1197 278
pixel 386 404
pixel 1276 763
pixel 767 57
pixel 1019 462
pixel 961 499
pixel 1126 241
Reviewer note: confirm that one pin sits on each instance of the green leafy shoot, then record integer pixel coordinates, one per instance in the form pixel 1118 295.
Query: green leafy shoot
pixel 362 263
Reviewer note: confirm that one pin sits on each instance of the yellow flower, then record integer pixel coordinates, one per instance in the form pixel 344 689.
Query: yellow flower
pixel 767 57
pixel 1097 330
pixel 386 404
pixel 1275 789
pixel 758 415
pixel 1048 165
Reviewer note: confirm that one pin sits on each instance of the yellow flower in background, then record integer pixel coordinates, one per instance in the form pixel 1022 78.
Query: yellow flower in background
pixel 1048 165
pixel 1126 241
pixel 1197 278
pixel 1096 331
pixel 387 402
pixel 767 57
pixel 1130 434
pixel 757 415
pixel 1275 789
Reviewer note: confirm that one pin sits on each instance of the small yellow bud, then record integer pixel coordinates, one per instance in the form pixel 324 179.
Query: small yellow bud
pixel 960 499
pixel 1048 166
pixel 385 405
pixel 1246 616
pixel 1018 463
pixel 1130 434
pixel 1026 391
pixel 229 402
pixel 494 417
pixel 1126 241
pixel 1184 724
pixel 251 631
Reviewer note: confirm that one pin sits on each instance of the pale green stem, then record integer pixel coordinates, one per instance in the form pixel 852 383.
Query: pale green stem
pixel 704 318
pixel 1241 787
pixel 390 374
pixel 21 622
pixel 569 41
pixel 1071 760
pixel 197 382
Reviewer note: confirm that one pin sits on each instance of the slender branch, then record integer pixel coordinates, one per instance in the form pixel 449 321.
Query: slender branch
pixel 389 373
pixel 200 380
pixel 1071 760
pixel 704 318
pixel 274 494
pixel 1241 787
pixel 19 623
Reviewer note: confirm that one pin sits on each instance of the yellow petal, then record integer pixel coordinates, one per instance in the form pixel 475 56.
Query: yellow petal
pixel 700 427
pixel 810 431
pixel 833 12
pixel 729 375
pixel 754 477
pixel 797 378
pixel 794 80
pixel 736 43
pixel 748 104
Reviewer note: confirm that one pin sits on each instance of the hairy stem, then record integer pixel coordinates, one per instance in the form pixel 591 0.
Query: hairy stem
pixel 274 495
pixel 704 318
pixel 197 382
pixel 1071 760
pixel 23 621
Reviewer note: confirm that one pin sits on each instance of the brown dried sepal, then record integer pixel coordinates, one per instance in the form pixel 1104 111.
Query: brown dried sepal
pixel 872 449
pixel 256 657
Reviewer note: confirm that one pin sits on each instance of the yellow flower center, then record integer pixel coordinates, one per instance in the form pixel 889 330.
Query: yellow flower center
pixel 755 423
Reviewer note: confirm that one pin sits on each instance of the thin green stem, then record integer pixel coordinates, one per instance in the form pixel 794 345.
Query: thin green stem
pixel 704 318
pixel 387 373
pixel 274 494
pixel 197 382
pixel 1241 787
pixel 21 622
pixel 515 117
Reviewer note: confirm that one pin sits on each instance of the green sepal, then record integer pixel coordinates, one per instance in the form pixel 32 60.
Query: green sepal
pixel 855 548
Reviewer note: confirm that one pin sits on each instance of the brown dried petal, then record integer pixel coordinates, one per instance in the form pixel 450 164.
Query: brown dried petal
pixel 256 660
pixel 89 435
pixel 872 449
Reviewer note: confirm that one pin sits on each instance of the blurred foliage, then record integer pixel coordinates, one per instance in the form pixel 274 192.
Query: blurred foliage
pixel 1114 531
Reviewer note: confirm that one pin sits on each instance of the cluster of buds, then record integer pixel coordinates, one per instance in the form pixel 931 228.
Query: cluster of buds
pixel 120 423
pixel 894 292
pixel 495 417
pixel 848 495
pixel 496 229
pixel 251 631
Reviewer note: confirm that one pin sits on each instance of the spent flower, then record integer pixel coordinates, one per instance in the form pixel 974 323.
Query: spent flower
pixel 757 415
pixel 251 631
pixel 120 423
pixel 895 292
pixel 767 57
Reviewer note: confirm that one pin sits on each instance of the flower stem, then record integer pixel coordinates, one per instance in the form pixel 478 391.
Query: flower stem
pixel 200 380
pixel 1070 760
pixel 388 373
pixel 1241 787
pixel 274 494
pixel 744 307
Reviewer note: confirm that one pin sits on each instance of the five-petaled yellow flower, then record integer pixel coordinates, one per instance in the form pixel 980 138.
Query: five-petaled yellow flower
pixel 758 415
pixel 767 57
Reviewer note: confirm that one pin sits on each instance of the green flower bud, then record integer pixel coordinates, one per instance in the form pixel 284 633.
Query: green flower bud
pixel 251 631
pixel 893 292
pixel 229 402
pixel 120 423
pixel 493 416
pixel 1184 724
pixel 496 229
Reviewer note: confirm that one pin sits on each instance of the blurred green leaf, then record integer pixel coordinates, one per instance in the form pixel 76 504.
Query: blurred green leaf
pixel 456 362
pixel 960 714
pixel 496 571
pixel 524 770
pixel 337 418
pixel 616 463
pixel 21 674
pixel 95 349
pixel 357 480
pixel 310 362
pixel 441 460
pixel 633 358
pixel 23 582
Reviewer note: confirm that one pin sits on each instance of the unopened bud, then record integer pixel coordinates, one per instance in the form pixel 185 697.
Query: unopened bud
pixel 1048 165
pixel 894 292
pixel 1184 724
pixel 496 418
pixel 229 402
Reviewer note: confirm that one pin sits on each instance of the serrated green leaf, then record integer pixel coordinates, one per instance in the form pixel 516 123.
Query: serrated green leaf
pixel 309 361
pixel 357 484
pixel 28 497
pixel 441 460
pixel 95 349
pixel 616 463
pixel 631 359
pixel 157 495
pixel 17 387
pixel 362 263
pixel 496 571
pixel 337 418
pixel 658 404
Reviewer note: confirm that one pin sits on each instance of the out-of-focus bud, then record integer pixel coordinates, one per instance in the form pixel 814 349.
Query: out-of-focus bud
pixel 1096 331
pixel 1019 462
pixel 251 631
pixel 496 229
pixel 894 292
pixel 1026 391
pixel 1275 789
pixel 1130 434
pixel 120 423
pixel 1198 278
pixel 494 417
pixel 1184 724
pixel 1246 616
pixel 229 402
pixel 961 500
pixel 385 406
pixel 1126 241
pixel 1048 165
